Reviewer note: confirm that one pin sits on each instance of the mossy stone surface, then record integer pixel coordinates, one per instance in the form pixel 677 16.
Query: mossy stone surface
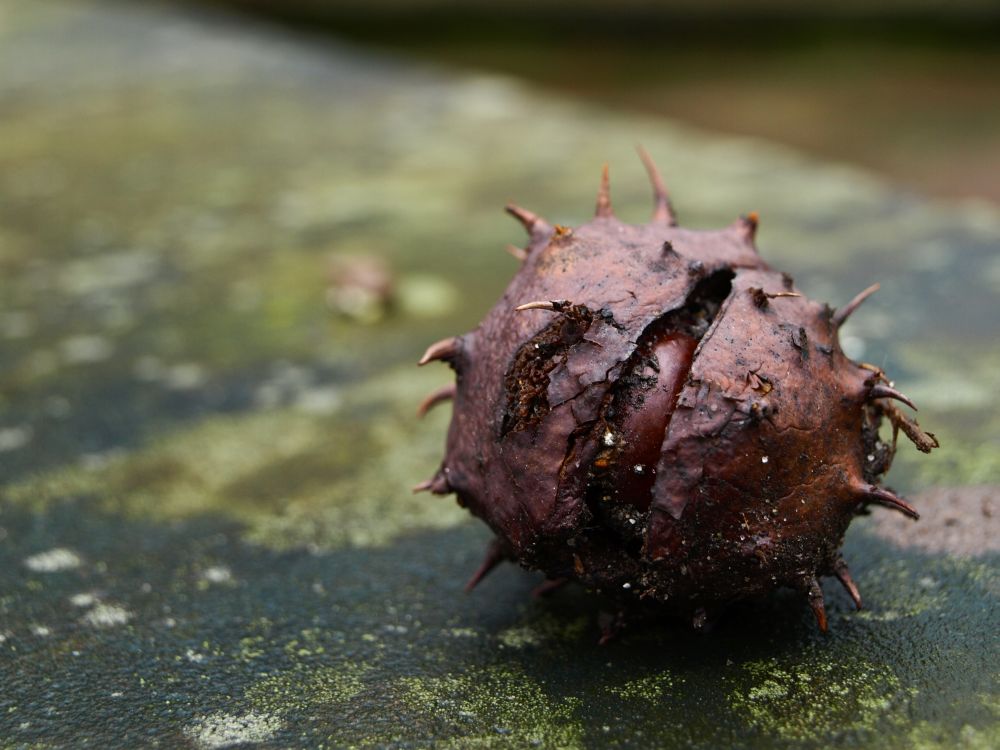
pixel 207 537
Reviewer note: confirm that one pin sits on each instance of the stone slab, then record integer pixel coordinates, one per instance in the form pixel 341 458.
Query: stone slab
pixel 206 533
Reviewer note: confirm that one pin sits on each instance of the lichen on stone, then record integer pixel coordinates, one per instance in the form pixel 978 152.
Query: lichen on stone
pixel 817 697
pixel 495 707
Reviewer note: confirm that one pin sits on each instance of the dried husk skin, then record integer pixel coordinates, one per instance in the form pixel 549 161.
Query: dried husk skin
pixel 757 436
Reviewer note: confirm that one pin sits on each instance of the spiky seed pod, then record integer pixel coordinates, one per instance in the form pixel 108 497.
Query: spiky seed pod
pixel 656 413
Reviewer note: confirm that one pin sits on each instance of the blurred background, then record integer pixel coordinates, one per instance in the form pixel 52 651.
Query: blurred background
pixel 229 228
pixel 908 88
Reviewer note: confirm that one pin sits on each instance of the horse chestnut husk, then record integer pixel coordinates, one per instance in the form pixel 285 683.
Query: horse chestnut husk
pixel 656 413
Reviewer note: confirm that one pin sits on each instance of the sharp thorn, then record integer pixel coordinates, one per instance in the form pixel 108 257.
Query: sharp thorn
pixel 495 555
pixel 843 574
pixel 436 485
pixel 747 225
pixel 548 586
pixel 432 399
pixel 814 593
pixel 924 441
pixel 663 211
pixel 518 252
pixel 883 497
pixel 555 305
pixel 881 390
pixel 603 208
pixel 932 441
pixel 843 313
pixel 444 349
pixel 535 225
pixel 879 372
pixel 611 626
pixel 775 295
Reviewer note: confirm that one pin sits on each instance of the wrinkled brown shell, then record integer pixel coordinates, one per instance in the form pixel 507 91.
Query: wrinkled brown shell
pixel 671 420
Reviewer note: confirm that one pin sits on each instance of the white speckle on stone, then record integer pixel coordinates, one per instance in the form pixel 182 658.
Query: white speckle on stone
pixel 764 460
pixel 638 468
pixel 42 362
pixel 12 438
pixel 185 376
pixel 16 325
pixel 4 636
pixel 267 396
pixel 53 561
pixel 320 401
pixel 194 657
pixel 148 368
pixel 871 457
pixel 58 407
pixel 117 317
pixel 41 631
pixel 106 616
pixel 98 461
pixel 626 585
pixel 290 376
pixel 95 276
pixel 217 574
pixel 83 600
pixel 225 730
pixel 609 438
pixel 245 295
pixel 292 384
pixel 116 694
pixel 85 349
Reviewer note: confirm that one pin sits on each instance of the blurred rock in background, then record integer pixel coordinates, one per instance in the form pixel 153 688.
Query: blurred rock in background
pixel 908 88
